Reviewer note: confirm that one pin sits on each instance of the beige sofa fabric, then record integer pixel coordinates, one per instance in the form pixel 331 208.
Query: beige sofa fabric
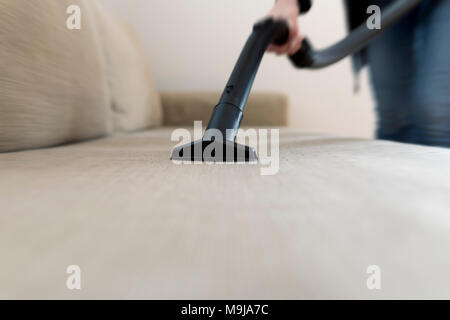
pixel 262 109
pixel 52 88
pixel 336 206
pixel 59 85
pixel 135 103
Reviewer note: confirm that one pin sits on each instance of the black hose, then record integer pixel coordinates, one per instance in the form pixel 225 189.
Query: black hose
pixel 358 39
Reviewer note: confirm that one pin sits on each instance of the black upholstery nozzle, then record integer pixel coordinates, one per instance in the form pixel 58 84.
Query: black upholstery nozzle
pixel 214 151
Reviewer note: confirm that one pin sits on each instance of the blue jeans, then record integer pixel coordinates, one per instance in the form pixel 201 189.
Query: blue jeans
pixel 410 75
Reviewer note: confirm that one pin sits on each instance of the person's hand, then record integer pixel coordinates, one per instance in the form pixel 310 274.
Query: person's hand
pixel 287 10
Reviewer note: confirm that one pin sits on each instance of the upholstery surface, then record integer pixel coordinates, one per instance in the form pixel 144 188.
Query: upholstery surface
pixel 142 227
pixel 52 86
pixel 262 109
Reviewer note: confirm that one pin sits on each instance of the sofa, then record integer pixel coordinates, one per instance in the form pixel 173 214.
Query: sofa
pixel 86 180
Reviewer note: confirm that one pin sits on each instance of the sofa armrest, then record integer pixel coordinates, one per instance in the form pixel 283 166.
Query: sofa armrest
pixel 263 108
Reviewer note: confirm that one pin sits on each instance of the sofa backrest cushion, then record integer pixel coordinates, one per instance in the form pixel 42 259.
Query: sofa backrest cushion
pixel 52 88
pixel 263 108
pixel 134 100
pixel 59 85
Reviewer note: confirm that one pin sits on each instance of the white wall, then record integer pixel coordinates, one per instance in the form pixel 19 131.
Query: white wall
pixel 193 45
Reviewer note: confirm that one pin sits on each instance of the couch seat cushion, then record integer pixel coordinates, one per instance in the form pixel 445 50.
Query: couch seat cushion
pixel 142 227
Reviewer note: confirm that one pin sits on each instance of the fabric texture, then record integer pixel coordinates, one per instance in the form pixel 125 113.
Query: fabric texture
pixel 59 85
pixel 52 88
pixel 139 226
pixel 262 109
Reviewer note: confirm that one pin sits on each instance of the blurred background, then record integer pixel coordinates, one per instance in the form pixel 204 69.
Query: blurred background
pixel 193 45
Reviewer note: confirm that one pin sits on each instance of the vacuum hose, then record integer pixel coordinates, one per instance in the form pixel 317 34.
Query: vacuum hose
pixel 227 115
pixel 307 57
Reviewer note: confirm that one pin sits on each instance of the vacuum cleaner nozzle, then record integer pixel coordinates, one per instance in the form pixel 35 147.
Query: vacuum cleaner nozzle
pixel 214 151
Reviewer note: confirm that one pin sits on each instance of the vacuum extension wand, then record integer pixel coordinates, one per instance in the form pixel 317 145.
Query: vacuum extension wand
pixel 218 143
pixel 228 113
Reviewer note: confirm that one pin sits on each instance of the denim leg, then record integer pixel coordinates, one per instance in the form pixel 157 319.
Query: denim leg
pixel 431 91
pixel 391 63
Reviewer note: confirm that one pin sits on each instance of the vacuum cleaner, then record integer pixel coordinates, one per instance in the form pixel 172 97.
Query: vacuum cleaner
pixel 218 143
